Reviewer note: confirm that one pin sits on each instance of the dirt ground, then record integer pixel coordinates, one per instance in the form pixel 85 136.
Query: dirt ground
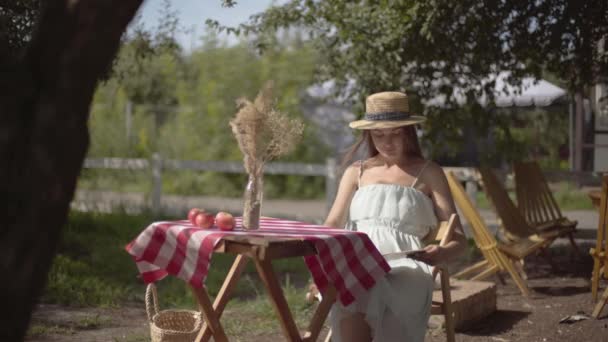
pixel 556 294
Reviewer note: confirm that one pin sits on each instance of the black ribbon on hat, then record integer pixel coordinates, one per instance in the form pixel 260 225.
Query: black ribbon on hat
pixel 387 116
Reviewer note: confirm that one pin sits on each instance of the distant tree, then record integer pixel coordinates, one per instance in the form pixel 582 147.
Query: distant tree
pixel 204 84
pixel 147 67
pixel 430 47
pixel 562 37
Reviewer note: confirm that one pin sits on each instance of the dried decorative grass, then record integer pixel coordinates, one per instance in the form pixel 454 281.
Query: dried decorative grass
pixel 262 132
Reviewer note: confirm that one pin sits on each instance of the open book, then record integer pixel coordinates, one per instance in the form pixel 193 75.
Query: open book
pixel 399 255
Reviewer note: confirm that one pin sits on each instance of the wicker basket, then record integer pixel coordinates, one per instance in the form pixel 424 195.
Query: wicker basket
pixel 170 325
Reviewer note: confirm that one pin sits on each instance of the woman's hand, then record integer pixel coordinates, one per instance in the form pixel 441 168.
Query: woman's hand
pixel 432 255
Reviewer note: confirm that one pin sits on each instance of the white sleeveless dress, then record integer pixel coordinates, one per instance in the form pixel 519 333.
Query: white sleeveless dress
pixel 395 218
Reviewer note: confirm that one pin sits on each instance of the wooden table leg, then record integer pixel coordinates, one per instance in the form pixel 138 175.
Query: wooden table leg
pixel 275 292
pixel 202 297
pixel 328 299
pixel 238 266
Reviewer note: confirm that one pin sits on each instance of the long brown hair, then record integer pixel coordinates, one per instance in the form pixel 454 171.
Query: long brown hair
pixel 410 141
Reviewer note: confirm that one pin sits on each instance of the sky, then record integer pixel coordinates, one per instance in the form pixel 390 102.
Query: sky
pixel 193 13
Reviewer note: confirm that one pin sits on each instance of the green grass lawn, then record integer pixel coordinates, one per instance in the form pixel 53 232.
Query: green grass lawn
pixel 93 268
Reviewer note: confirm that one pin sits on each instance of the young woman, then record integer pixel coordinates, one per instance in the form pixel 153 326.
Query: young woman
pixel 395 196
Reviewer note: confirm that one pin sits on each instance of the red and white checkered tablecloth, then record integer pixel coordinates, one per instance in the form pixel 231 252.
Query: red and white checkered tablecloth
pixel 346 259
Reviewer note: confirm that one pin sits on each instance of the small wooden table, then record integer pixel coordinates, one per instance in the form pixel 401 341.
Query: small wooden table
pixel 344 264
pixel 261 251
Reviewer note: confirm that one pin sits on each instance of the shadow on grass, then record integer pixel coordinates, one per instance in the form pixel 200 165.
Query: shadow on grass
pixel 499 322
pixel 562 270
pixel 567 263
pixel 562 290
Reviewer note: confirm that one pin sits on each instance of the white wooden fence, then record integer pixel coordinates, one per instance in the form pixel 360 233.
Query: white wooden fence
pixel 329 170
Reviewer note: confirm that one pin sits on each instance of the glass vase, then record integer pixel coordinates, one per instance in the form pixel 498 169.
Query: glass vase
pixel 252 199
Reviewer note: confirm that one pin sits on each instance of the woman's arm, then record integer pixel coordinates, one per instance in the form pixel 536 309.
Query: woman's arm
pixel 444 208
pixel 348 186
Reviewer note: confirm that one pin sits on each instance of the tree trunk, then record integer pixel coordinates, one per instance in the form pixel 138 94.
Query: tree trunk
pixel 44 108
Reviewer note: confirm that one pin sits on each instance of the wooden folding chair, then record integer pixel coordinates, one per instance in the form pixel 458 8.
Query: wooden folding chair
pixel 513 222
pixel 498 256
pixel 536 202
pixel 600 252
pixel 443 234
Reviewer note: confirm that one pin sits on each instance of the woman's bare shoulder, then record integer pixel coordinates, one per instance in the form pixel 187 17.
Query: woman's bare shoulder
pixel 433 170
pixel 351 174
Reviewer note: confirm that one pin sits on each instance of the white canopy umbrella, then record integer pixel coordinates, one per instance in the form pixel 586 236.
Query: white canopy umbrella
pixel 537 93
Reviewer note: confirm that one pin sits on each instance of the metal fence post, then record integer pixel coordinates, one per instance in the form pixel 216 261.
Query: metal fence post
pixel 331 182
pixel 157 181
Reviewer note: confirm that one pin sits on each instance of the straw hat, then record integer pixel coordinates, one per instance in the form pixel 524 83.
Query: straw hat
pixel 388 109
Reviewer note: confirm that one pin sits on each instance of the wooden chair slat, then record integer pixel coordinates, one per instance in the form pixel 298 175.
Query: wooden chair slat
pixel 513 221
pixel 534 196
pixel 495 259
pixel 538 205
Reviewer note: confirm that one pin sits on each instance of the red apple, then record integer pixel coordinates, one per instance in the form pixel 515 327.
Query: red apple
pixel 203 220
pixel 192 213
pixel 224 221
